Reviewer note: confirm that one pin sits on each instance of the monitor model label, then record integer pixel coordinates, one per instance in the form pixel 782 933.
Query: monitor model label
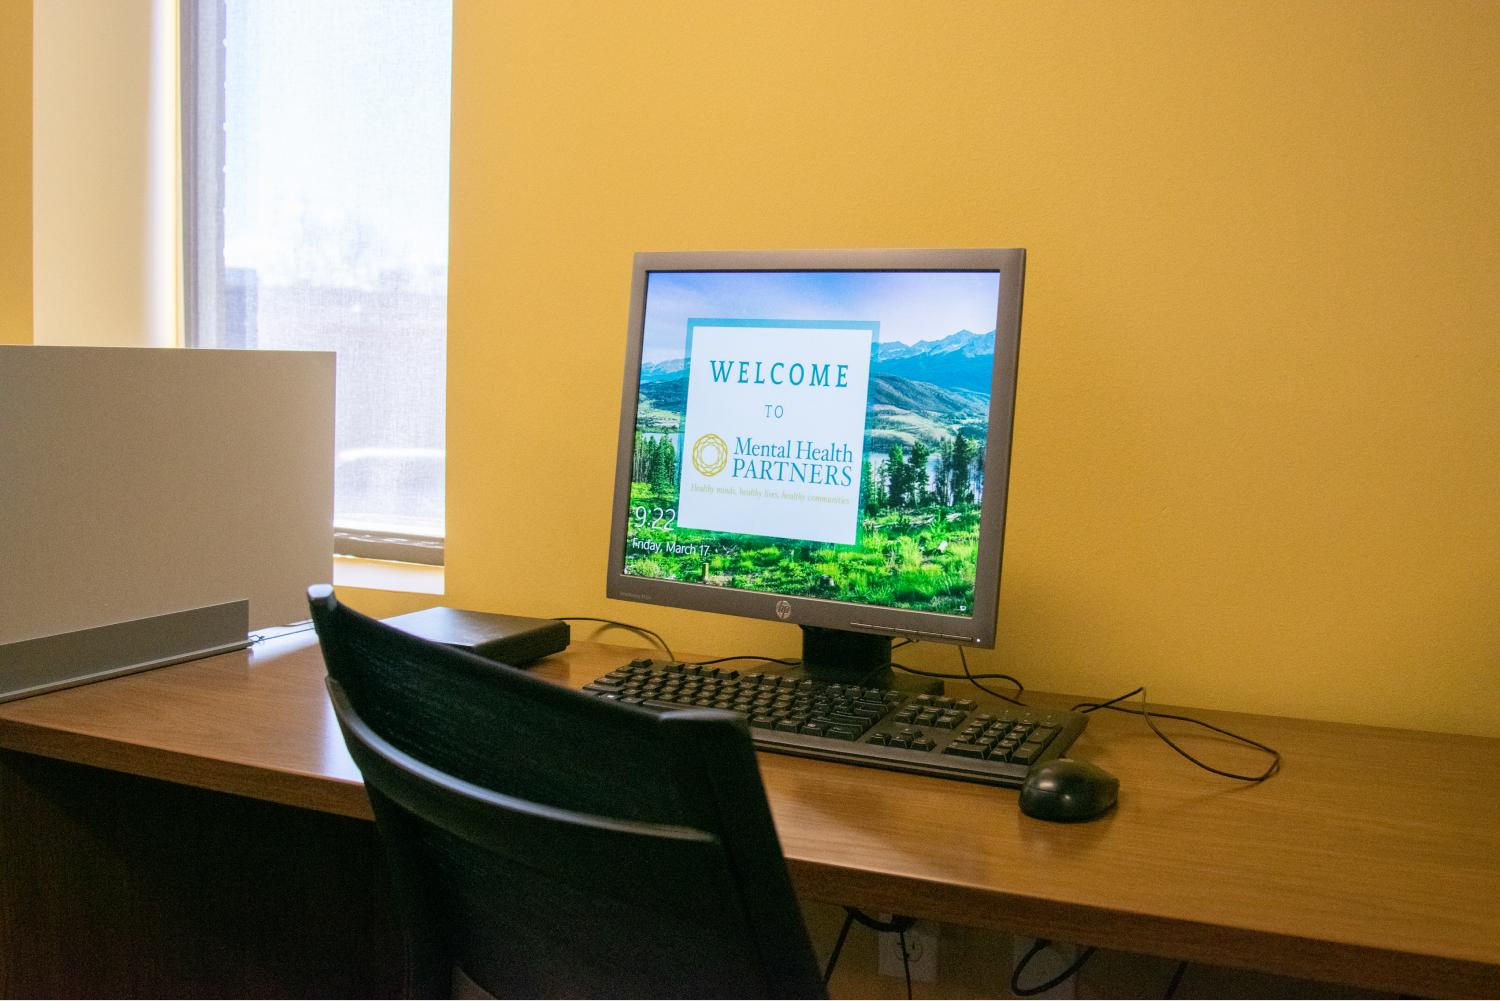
pixel 774 429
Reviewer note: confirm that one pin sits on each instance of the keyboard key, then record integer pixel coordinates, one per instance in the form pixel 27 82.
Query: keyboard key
pixel 1026 754
pixel 964 749
pixel 848 719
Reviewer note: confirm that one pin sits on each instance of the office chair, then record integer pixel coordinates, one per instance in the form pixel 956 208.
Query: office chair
pixel 547 843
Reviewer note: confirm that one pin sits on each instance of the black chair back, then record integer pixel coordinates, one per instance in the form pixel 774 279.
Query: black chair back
pixel 550 844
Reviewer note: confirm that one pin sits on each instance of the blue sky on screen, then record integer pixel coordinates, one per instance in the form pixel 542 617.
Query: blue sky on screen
pixel 910 306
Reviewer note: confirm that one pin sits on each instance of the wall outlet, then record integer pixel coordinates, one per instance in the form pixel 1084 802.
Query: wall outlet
pixel 1045 965
pixel 921 952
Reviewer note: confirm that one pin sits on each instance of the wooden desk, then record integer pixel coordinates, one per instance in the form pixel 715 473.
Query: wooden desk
pixel 1372 860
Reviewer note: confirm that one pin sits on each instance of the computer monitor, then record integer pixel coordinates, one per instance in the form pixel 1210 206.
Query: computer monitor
pixel 820 438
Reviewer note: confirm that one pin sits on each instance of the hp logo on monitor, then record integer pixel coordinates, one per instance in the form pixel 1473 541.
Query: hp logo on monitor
pixel 783 609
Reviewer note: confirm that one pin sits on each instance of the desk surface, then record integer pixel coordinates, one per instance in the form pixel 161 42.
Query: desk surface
pixel 1373 859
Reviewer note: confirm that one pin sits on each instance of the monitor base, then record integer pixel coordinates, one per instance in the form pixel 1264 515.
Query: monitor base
pixel 842 657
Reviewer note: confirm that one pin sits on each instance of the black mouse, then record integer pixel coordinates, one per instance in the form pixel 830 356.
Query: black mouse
pixel 1068 790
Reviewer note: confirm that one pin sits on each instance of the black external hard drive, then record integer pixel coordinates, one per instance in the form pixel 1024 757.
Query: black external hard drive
pixel 509 639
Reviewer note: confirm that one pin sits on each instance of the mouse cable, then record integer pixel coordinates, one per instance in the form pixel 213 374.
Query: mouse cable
pixel 1040 944
pixel 614 624
pixel 1151 718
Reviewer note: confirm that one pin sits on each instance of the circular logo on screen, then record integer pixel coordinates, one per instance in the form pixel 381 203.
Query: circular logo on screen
pixel 783 609
pixel 710 454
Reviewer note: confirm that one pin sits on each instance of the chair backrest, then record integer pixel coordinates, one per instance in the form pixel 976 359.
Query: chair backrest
pixel 550 844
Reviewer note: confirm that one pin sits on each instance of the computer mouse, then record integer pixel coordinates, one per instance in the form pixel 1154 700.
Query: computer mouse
pixel 1067 790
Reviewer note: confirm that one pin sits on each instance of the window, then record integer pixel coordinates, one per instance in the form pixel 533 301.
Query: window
pixel 315 152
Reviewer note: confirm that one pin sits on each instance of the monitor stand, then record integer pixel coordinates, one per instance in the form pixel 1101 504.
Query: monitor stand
pixel 848 658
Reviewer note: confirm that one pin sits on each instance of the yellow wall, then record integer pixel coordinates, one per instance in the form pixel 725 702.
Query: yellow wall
pixel 15 173
pixel 103 154
pixel 1256 456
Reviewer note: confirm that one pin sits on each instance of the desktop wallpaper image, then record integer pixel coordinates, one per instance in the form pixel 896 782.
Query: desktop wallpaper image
pixel 919 476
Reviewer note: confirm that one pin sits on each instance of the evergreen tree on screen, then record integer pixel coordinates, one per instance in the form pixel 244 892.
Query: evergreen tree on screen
pixel 963 457
pixel 942 479
pixel 664 469
pixel 870 487
pixel 920 492
pixel 897 477
pixel 647 457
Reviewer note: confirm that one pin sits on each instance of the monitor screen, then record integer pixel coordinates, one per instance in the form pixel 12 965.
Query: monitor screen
pixel 820 437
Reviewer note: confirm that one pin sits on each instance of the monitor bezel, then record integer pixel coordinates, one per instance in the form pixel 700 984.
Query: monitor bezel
pixel 977 629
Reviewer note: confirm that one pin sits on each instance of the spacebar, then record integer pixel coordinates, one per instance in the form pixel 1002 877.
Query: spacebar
pixel 659 704
pixel 896 759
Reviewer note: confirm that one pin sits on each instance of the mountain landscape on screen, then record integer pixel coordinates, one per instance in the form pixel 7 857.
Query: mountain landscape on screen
pixel 930 390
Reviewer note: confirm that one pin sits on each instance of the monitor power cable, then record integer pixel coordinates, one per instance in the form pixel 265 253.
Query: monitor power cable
pixel 898 924
pixel 1072 970
pixel 1176 980
pixel 649 634
pixel 1042 988
pixel 969 676
pixel 758 658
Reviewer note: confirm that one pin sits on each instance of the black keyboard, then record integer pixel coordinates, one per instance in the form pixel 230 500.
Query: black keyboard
pixel 875 727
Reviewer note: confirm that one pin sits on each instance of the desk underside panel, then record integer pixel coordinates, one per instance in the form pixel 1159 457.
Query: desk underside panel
pixel 119 886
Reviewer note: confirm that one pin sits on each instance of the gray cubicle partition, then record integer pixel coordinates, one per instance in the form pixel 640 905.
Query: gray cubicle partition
pixel 156 504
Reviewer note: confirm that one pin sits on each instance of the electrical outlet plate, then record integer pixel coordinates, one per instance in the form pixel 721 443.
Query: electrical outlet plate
pixel 921 952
